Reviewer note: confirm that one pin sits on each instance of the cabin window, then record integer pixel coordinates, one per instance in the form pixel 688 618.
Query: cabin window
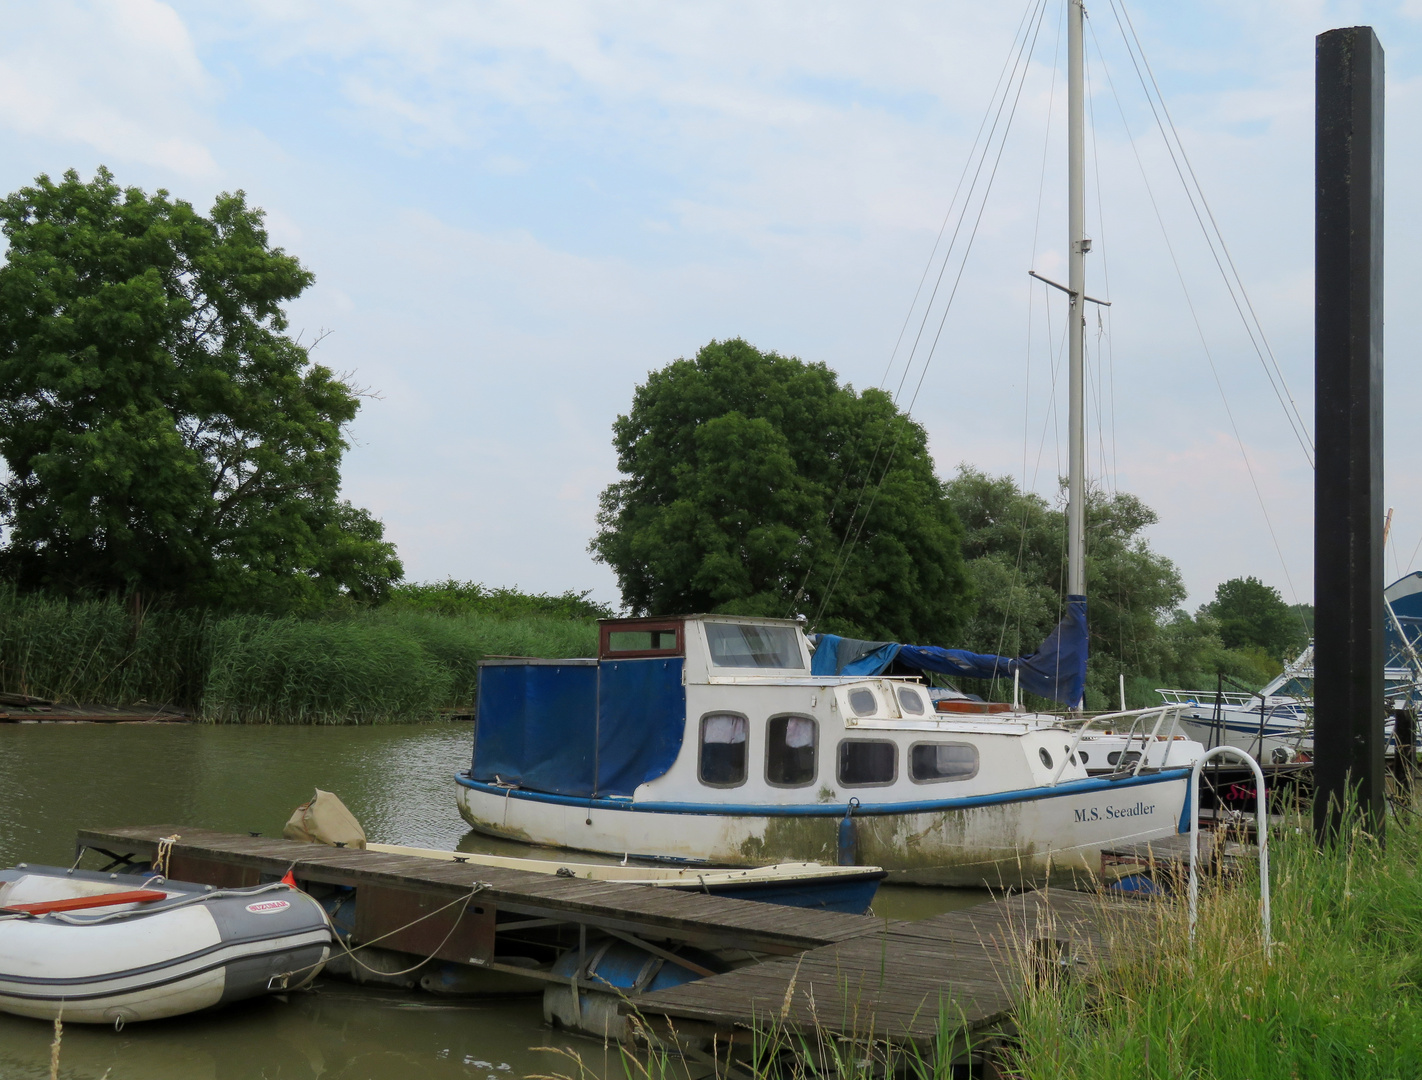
pixel 911 701
pixel 863 702
pixel 641 640
pixel 723 749
pixel 1045 755
pixel 931 762
pixel 637 639
pixel 739 645
pixel 790 743
pixel 1114 757
pixel 863 762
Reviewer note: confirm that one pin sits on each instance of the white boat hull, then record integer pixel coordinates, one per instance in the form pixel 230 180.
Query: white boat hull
pixel 1019 839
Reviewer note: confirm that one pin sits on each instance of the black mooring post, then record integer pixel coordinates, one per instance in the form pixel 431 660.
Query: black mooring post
pixel 1349 708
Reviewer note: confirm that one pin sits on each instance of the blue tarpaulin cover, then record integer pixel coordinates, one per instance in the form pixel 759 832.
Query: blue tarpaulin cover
pixel 550 727
pixel 1057 670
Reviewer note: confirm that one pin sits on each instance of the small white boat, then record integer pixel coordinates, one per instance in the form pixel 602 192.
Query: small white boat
pixel 96 948
pixel 794 884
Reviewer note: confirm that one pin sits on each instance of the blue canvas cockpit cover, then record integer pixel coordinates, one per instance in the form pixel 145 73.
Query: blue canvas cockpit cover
pixel 1057 670
pixel 578 727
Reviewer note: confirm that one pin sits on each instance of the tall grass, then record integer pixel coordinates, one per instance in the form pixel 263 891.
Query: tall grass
pixel 1342 996
pixel 388 664
pixel 101 650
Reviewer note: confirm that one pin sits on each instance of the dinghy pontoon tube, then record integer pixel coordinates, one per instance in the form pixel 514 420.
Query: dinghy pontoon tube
pixel 195 948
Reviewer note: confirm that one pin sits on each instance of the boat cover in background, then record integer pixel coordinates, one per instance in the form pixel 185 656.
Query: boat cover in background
pixel 1057 670
pixel 1405 597
pixel 578 727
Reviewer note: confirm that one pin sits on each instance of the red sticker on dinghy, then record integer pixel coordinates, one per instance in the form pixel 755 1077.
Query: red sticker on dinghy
pixel 268 907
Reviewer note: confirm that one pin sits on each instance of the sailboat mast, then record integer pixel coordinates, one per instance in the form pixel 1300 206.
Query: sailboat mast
pixel 1080 244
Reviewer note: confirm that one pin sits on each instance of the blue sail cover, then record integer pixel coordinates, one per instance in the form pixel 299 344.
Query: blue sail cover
pixel 1057 670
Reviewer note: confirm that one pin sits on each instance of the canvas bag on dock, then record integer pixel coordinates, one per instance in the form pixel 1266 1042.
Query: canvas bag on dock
pixel 325 820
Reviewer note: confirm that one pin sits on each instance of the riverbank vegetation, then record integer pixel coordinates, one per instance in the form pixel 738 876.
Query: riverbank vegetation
pixel 1341 996
pixel 413 658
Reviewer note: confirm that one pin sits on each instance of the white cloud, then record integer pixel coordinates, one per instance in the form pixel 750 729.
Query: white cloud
pixel 119 77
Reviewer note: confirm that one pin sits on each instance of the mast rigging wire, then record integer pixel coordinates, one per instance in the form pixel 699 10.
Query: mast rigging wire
pixel 1200 331
pixel 1023 47
pixel 1212 234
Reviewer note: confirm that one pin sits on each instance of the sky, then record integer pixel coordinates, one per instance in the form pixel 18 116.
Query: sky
pixel 515 211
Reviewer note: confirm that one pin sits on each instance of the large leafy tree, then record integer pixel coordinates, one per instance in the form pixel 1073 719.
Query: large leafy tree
pixel 161 430
pixel 756 484
pixel 1252 615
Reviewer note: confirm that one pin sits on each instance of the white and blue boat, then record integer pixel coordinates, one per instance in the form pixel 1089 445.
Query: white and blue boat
pixel 728 741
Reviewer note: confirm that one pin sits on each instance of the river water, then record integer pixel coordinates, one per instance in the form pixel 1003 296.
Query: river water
pixel 58 778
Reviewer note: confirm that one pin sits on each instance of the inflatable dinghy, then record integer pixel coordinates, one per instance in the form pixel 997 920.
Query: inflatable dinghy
pixel 113 949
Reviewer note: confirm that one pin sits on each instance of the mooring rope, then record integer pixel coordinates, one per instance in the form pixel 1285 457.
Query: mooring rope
pixel 463 901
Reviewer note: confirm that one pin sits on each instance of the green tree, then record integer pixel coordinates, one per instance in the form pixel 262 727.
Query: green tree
pixel 756 484
pixel 1015 544
pixel 1253 615
pixel 161 430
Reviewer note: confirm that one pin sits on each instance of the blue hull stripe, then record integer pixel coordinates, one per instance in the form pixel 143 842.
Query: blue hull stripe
pixel 1071 787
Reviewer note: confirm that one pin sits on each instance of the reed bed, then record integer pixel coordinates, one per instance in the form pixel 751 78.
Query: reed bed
pixel 383 665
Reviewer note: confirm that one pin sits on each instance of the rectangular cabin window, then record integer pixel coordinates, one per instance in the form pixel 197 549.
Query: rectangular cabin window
pixel 738 645
pixel 930 763
pixel 723 749
pixel 639 639
pixel 790 751
pixel 863 762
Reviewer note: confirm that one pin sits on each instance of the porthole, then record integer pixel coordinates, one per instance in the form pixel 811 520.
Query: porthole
pixel 1046 757
pixel 863 702
pixel 911 701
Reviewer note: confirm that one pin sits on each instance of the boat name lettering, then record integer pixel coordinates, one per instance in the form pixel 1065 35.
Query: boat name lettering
pixel 268 907
pixel 1094 813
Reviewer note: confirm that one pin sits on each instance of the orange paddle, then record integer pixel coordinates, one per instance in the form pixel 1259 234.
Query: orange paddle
pixel 79 903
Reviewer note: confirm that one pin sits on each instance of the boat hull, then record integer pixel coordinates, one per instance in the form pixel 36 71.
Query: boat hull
pixel 1011 839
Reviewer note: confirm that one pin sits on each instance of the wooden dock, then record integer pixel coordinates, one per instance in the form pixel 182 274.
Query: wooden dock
pixel 901 983
pixel 852 975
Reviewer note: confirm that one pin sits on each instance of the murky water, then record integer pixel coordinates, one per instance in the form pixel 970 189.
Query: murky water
pixel 58 778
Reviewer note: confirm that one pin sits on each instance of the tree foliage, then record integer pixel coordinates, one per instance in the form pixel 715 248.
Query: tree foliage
pixel 1252 615
pixel 1015 544
pixel 756 484
pixel 161 430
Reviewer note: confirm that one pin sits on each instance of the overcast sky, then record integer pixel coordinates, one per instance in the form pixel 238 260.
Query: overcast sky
pixel 514 211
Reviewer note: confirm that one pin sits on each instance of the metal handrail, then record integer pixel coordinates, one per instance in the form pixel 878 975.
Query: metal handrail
pixel 1138 715
pixel 1261 828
